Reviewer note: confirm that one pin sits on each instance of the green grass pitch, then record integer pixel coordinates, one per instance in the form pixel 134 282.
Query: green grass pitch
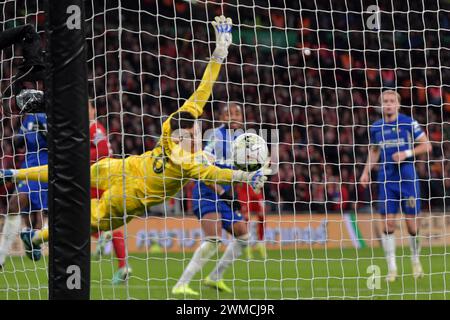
pixel 287 274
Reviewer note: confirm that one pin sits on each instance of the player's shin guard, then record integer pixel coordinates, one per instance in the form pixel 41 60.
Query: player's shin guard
pixel 414 243
pixel 203 253
pixel 10 230
pixel 388 241
pixel 232 252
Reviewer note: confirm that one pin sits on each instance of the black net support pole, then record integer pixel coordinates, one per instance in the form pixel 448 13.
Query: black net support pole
pixel 68 142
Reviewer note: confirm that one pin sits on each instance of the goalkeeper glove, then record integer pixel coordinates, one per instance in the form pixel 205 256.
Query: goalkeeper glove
pixel 255 179
pixel 222 27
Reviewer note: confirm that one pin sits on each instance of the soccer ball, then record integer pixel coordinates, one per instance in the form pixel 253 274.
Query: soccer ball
pixel 250 152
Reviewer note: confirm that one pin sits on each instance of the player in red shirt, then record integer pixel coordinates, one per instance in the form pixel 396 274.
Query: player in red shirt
pixel 253 203
pixel 100 148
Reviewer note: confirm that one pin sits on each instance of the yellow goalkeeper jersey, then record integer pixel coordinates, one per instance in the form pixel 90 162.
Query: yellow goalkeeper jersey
pixel 142 181
pixel 162 172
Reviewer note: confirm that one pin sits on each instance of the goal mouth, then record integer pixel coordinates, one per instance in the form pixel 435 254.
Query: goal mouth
pixel 355 206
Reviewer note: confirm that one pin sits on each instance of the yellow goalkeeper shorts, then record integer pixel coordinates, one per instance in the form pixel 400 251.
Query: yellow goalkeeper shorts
pixel 118 204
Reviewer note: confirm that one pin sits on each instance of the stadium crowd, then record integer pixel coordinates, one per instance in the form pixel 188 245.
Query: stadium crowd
pixel 320 101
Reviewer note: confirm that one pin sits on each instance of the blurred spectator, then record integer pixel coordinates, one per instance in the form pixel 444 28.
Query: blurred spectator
pixel 320 104
pixel 337 197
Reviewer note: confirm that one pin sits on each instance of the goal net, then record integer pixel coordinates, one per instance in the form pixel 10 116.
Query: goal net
pixel 22 204
pixel 307 76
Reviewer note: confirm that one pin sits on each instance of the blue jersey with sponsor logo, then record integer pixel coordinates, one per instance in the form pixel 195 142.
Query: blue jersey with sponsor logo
pixel 219 144
pixel 392 137
pixel 33 131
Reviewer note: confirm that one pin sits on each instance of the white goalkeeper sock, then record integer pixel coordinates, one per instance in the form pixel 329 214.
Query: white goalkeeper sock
pixel 203 253
pixel 414 243
pixel 10 230
pixel 232 252
pixel 388 241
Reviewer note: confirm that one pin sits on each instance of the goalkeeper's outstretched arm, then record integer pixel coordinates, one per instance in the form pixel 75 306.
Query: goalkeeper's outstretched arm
pixel 196 102
pixel 193 107
pixel 211 174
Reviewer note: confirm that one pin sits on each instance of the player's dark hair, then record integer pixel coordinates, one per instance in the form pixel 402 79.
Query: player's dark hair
pixel 182 120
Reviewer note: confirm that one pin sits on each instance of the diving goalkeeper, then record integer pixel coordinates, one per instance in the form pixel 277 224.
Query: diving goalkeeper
pixel 145 180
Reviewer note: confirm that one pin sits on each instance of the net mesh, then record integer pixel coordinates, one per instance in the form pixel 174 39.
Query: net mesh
pixel 20 278
pixel 310 74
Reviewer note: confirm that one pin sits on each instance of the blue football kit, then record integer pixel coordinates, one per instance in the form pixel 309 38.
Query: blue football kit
pixel 398 184
pixel 205 199
pixel 33 131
